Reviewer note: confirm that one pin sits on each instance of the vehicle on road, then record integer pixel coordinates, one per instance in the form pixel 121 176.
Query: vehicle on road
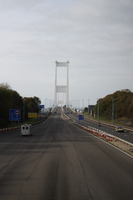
pixel 119 129
pixel 99 124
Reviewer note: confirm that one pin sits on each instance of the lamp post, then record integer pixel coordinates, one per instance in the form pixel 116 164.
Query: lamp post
pixel 78 104
pixel 83 104
pixel 98 109
pixel 88 108
pixel 23 110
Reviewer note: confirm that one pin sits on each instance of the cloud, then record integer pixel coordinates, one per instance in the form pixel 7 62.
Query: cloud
pixel 95 36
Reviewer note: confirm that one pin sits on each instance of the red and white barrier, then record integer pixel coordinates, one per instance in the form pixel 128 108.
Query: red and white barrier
pixel 9 129
pixel 99 133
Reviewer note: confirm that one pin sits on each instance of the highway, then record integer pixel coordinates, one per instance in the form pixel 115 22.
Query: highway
pixel 127 135
pixel 62 162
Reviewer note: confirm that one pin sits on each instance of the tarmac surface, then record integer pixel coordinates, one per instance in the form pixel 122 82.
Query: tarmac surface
pixel 62 162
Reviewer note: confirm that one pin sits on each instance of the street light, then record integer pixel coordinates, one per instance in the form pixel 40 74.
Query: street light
pixel 83 104
pixel 98 109
pixel 23 109
pixel 88 107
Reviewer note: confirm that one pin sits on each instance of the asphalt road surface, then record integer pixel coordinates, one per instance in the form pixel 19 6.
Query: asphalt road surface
pixel 126 135
pixel 61 162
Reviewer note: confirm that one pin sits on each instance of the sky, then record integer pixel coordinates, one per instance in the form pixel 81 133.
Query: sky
pixel 95 36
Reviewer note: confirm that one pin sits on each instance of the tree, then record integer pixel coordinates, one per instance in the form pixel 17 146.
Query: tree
pixel 5 86
pixel 85 109
pixel 9 99
pixel 31 105
pixel 123 105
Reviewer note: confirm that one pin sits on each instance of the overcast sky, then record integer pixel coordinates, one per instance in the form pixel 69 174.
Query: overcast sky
pixel 95 36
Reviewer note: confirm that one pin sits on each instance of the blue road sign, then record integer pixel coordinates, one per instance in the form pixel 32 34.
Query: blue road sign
pixel 14 115
pixel 41 106
pixel 80 117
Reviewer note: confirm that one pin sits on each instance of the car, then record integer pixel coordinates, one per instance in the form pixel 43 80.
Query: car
pixel 119 129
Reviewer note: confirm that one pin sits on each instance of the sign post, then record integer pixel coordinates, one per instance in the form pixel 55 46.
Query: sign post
pixel 80 117
pixel 42 107
pixel 14 115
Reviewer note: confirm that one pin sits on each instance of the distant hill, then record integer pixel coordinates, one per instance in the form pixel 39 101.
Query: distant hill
pixel 123 107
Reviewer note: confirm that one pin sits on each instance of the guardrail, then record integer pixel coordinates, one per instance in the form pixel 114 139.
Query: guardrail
pixel 108 124
pixel 9 129
pixel 104 123
pixel 125 142
pixel 104 135
pixel 18 127
pixel 99 133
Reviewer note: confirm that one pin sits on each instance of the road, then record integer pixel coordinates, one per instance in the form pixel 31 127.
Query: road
pixel 61 162
pixel 127 135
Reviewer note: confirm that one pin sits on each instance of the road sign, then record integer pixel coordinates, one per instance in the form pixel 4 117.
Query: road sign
pixel 32 115
pixel 41 106
pixel 80 117
pixel 14 115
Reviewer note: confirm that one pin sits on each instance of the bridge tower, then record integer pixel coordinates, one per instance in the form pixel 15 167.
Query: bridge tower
pixel 62 88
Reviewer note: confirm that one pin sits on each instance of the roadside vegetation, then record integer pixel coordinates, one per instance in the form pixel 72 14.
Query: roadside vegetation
pixel 116 107
pixel 10 99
